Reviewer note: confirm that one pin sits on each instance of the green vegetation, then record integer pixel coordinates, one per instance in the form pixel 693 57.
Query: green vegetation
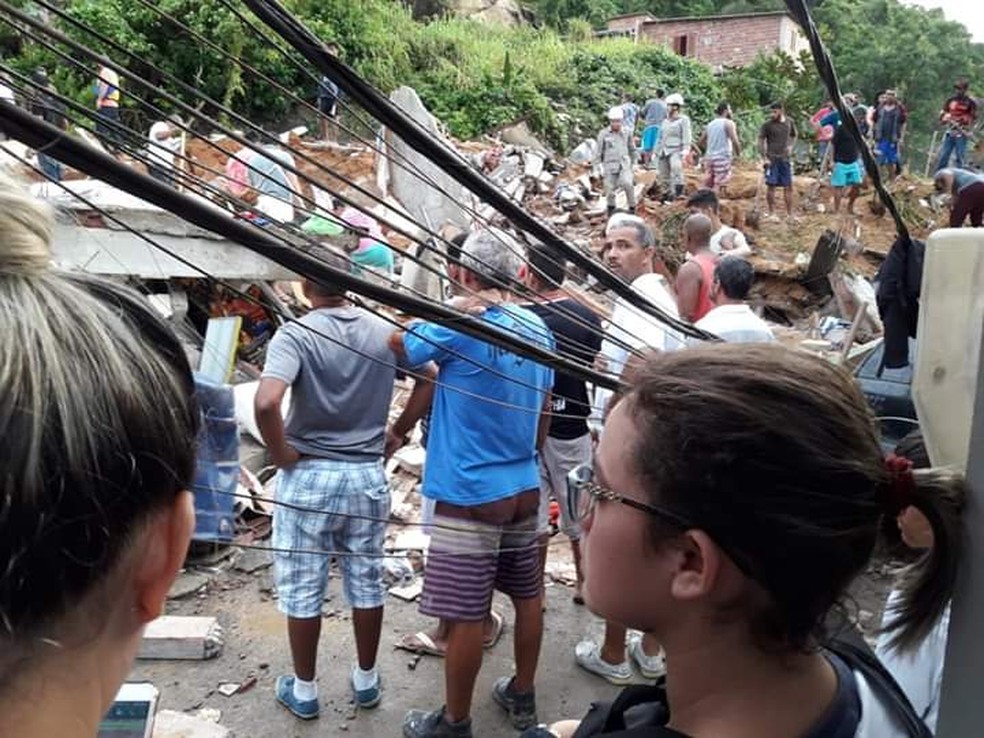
pixel 477 77
pixel 473 77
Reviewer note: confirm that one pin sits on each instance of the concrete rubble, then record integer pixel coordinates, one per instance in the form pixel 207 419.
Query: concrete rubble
pixel 172 724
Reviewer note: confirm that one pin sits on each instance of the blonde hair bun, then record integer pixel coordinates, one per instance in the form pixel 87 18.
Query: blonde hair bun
pixel 26 228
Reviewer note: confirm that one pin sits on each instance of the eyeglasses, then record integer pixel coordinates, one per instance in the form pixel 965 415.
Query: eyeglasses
pixel 583 494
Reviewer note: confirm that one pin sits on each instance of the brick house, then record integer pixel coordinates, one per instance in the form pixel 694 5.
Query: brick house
pixel 718 41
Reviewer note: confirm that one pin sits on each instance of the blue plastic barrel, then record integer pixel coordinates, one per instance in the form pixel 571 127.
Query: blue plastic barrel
pixel 217 469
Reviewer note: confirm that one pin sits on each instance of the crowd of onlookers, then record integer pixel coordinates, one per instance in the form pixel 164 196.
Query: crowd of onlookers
pixel 667 143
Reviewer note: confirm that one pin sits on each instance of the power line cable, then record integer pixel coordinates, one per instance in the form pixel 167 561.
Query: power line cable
pixel 201 116
pixel 38 134
pixel 825 67
pixel 380 107
pixel 286 316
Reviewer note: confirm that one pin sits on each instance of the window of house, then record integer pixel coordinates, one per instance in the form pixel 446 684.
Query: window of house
pixel 685 44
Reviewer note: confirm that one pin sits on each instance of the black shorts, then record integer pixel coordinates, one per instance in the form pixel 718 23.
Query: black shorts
pixel 108 126
pixel 327 106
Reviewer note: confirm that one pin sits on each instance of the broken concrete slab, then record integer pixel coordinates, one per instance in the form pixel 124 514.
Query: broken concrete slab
pixel 181 638
pixel 584 152
pixel 412 459
pixel 408 592
pixel 413 192
pixel 519 134
pixel 188 583
pixel 252 560
pixel 171 724
pixel 533 165
pixel 825 256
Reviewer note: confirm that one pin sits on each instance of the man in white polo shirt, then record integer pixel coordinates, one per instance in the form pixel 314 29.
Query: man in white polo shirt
pixel 732 319
pixel 629 243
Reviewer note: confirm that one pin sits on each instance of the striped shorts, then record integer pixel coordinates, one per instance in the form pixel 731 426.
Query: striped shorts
pixel 337 490
pixel 717 171
pixel 468 559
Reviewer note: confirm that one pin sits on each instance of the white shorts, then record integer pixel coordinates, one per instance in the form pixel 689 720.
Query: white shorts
pixel 557 457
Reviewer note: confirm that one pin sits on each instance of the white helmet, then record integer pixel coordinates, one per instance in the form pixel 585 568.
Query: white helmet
pixel 616 113
pixel 675 99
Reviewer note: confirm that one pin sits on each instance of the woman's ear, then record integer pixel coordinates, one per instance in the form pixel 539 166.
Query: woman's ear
pixel 165 545
pixel 697 566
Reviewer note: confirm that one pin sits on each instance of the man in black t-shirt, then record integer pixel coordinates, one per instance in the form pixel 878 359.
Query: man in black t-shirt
pixel 577 331
pixel 46 105
pixel 848 173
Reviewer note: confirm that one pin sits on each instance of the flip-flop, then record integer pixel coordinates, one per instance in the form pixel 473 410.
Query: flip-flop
pixel 499 624
pixel 421 643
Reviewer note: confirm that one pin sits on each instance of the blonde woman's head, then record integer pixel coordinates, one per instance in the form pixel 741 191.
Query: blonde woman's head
pixel 98 422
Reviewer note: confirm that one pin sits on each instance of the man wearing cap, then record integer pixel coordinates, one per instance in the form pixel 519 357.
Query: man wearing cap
pixel 676 138
pixel 959 114
pixel 889 121
pixel 616 154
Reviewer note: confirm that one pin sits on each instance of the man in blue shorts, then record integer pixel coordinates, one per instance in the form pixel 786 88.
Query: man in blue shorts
pixel 890 120
pixel 489 412
pixel 653 115
pixel 776 139
pixel 340 368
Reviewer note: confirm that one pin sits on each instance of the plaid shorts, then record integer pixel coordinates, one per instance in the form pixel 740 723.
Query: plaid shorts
pixel 339 489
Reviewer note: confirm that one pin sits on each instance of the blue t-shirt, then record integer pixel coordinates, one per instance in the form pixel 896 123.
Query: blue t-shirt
pixel 480 451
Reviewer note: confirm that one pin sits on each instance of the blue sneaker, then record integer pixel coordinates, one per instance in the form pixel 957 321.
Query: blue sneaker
pixel 367 698
pixel 304 709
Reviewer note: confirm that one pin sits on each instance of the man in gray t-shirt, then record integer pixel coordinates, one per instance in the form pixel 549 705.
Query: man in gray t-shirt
pixel 330 453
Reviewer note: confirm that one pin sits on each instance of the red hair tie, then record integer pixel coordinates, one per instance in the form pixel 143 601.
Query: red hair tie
pixel 901 487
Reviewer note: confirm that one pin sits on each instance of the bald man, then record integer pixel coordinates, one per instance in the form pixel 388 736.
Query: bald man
pixel 694 280
pixel 967 189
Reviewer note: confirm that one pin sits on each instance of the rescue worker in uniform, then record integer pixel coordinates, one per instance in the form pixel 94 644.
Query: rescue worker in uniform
pixel 616 154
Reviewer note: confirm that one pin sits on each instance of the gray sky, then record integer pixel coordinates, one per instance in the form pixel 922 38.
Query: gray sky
pixel 968 12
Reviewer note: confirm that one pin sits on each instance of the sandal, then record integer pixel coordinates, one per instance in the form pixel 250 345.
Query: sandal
pixel 498 626
pixel 420 643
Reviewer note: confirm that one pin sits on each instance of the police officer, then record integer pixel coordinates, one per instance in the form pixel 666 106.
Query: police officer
pixel 616 154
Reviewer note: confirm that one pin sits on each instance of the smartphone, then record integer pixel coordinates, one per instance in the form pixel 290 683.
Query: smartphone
pixel 132 714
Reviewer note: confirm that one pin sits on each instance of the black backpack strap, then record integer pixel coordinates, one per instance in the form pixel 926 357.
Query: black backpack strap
pixel 850 646
pixel 608 718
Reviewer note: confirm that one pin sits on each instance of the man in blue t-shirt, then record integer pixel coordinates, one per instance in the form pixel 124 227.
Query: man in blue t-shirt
pixel 489 408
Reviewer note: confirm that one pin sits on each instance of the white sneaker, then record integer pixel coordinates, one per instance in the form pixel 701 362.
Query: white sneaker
pixel 651 667
pixel 587 654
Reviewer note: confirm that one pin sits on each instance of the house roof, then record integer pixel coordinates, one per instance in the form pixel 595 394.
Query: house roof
pixel 731 16
pixel 631 15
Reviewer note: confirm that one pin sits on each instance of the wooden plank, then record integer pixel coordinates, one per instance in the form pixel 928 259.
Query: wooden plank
pixel 183 638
